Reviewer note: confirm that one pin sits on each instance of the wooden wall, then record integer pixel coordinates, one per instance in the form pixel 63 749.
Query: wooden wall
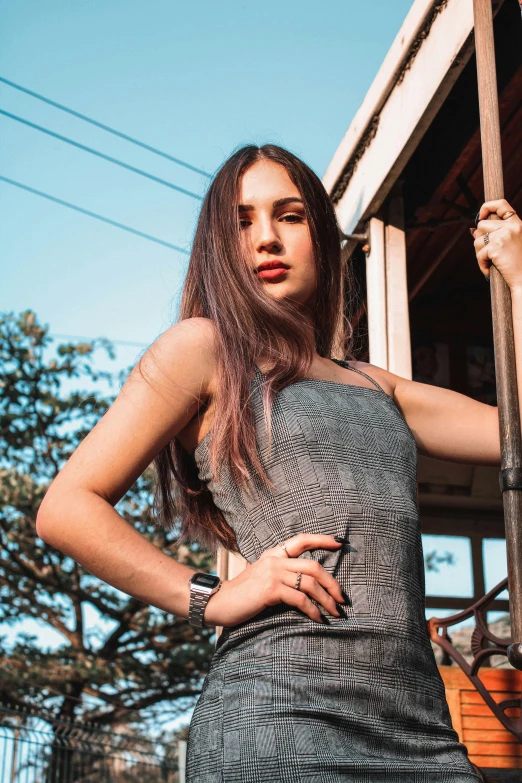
pixel 489 744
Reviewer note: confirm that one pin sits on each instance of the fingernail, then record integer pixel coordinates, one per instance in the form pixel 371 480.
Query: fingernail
pixel 472 231
pixel 325 620
pixel 477 219
pixel 346 597
pixel 340 540
pixel 341 610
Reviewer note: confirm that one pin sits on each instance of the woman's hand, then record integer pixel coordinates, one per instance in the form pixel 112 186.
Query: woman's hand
pixel 503 246
pixel 271 580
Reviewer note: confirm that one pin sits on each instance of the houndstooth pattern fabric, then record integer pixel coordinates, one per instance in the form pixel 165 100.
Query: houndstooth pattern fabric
pixel 360 699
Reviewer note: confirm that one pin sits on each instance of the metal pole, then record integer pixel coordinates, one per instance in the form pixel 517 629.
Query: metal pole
pixel 505 367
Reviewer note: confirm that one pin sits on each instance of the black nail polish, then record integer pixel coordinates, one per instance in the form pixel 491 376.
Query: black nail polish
pixel 325 620
pixel 340 539
pixel 341 610
pixel 346 597
pixel 477 219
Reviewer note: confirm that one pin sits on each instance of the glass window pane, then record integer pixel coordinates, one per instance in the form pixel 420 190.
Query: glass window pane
pixel 448 568
pixel 441 613
pixel 495 563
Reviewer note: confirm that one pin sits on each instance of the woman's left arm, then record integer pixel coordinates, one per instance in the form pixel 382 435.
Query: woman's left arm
pixel 449 425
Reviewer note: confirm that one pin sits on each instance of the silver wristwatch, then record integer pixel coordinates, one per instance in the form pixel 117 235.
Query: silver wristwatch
pixel 202 586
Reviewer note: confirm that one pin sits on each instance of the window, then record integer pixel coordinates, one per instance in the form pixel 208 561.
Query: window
pixel 448 566
pixel 495 563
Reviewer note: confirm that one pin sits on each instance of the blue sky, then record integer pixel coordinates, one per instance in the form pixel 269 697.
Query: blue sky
pixel 193 79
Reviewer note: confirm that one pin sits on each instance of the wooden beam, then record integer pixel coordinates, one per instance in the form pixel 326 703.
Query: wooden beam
pixel 228 565
pixel 513 165
pixel 459 604
pixel 437 261
pixel 470 155
pixel 236 564
pixel 397 58
pixel 376 294
pixel 503 338
pixel 408 112
pixel 222 572
pixel 479 586
pixel 397 308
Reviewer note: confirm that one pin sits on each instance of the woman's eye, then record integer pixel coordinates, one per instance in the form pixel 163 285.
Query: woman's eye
pixel 288 218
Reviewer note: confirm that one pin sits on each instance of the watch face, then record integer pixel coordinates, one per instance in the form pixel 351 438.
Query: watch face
pixel 205 580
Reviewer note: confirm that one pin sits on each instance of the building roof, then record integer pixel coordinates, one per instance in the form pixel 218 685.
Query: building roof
pixel 430 51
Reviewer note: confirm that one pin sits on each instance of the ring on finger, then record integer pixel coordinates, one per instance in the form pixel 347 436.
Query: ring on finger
pixel 508 214
pixel 298 580
pixel 283 547
pixel 486 239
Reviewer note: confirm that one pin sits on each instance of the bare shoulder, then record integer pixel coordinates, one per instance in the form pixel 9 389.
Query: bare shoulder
pixel 185 355
pixel 384 378
pixel 189 334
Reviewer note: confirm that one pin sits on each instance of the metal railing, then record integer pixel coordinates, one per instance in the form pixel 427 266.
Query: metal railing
pixel 484 644
pixel 40 748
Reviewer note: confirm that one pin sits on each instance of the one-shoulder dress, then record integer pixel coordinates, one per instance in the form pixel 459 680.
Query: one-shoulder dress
pixel 359 699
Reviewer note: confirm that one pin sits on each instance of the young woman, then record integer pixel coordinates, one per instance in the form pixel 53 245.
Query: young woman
pixel 267 444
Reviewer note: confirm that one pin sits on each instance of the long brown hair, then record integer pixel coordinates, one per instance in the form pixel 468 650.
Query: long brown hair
pixel 248 325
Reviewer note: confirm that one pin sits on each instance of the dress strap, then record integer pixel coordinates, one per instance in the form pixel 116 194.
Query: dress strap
pixel 346 364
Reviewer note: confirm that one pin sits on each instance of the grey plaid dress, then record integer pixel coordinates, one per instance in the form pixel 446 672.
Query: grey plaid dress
pixel 360 699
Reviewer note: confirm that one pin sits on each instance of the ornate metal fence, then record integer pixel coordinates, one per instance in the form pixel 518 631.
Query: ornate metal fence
pixel 484 644
pixel 36 748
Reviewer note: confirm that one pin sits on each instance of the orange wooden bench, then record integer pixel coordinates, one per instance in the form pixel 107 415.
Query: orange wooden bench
pixel 489 744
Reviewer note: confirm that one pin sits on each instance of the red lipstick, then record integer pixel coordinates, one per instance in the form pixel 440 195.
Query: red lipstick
pixel 272 270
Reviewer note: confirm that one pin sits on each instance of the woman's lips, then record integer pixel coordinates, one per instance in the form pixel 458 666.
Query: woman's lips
pixel 272 270
pixel 273 274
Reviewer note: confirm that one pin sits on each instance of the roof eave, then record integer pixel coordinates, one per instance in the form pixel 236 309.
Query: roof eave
pixel 429 52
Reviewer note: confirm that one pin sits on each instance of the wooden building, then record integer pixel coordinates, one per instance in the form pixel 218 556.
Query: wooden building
pixel 408 174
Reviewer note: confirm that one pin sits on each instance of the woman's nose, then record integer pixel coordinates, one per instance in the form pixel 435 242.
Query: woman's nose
pixel 268 239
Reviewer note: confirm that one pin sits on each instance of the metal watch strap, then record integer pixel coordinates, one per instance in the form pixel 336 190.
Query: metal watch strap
pixel 197 606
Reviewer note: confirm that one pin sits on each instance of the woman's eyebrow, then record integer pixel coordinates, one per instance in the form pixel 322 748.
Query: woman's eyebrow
pixel 282 201
pixel 279 203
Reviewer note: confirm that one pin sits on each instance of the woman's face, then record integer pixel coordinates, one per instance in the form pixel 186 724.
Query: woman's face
pixel 275 233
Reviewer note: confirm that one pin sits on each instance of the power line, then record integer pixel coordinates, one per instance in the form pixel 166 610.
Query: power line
pixel 57 336
pixel 100 155
pixel 93 215
pixel 107 128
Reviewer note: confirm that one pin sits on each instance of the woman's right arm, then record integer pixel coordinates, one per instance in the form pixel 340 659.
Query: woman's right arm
pixel 77 516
